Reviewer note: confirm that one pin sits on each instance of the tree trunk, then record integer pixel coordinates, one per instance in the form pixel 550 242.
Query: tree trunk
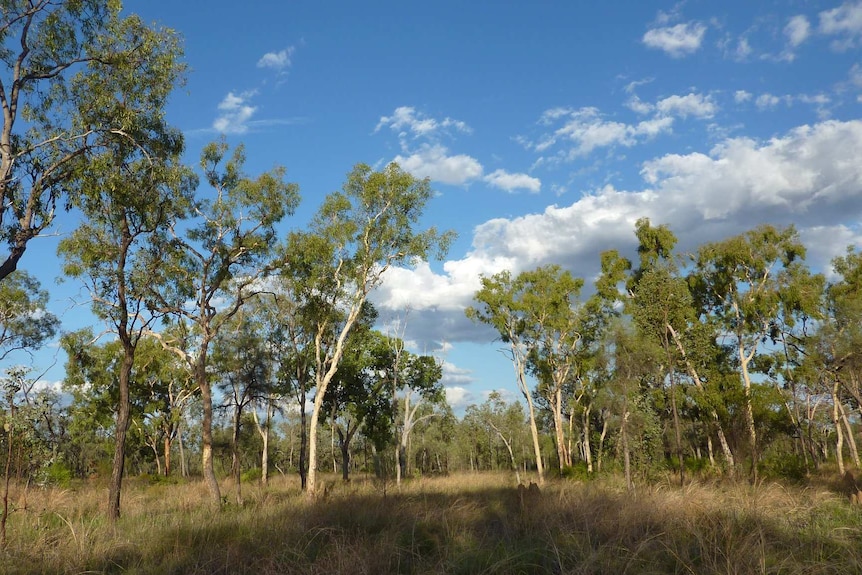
pixel 836 420
pixel 184 470
pixel 303 441
pixel 744 360
pixel 851 440
pixel 585 429
pixel 626 451
pixel 235 467
pixel 207 430
pixel 563 456
pixel 122 427
pixel 167 454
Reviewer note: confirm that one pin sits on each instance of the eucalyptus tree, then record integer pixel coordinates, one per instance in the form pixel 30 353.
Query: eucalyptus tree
pixel 131 193
pixel 75 77
pixel 215 264
pixel 360 389
pixel 25 324
pixel 500 307
pixel 504 421
pixel 244 375
pixel 357 235
pixel 738 285
pixel 288 326
pixel 554 322
pixel 420 387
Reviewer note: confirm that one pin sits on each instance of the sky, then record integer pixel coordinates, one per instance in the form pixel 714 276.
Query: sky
pixel 546 128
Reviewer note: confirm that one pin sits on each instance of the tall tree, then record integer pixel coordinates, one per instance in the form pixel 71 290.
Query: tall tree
pixel 132 192
pixel 738 284
pixel 357 235
pixel 211 270
pixel 501 308
pixel 75 77
pixel 553 321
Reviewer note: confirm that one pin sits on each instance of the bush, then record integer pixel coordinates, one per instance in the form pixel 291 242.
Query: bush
pixel 58 473
pixel 253 474
pixel 783 466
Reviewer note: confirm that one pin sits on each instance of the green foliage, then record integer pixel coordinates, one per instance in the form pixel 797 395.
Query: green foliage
pixel 80 82
pixel 24 322
pixel 57 474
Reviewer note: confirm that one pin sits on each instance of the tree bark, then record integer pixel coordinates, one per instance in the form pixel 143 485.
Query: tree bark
pixel 207 429
pixel 122 428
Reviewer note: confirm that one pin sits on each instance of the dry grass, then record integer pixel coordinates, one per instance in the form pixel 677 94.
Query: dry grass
pixel 464 524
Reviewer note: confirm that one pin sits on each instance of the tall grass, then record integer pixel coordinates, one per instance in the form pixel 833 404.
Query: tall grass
pixel 464 524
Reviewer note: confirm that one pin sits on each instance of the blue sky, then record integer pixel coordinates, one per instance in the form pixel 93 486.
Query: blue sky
pixel 547 129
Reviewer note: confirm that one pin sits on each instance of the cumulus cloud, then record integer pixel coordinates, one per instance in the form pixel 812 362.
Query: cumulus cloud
pixel 845 19
pixel 810 177
pixel 512 182
pixel 741 96
pixel 585 129
pixel 459 397
pixel 677 41
pixel 235 113
pixel 406 120
pixel 434 161
pixel 696 105
pixel 278 61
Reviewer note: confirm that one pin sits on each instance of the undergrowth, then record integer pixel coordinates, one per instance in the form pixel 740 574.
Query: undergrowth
pixel 470 524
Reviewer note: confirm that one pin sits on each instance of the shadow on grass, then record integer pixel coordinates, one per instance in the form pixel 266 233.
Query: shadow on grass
pixel 577 529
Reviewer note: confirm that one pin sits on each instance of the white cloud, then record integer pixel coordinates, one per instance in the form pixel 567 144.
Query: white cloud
pixel 855 75
pixel 586 130
pixel 635 104
pixel 741 96
pixel 743 49
pixel 406 119
pixel 433 161
pixel 677 41
pixel 276 60
pixel 459 397
pixel 846 19
pixel 235 113
pixel 797 30
pixel 810 177
pixel 767 101
pixel 695 105
pixel 511 182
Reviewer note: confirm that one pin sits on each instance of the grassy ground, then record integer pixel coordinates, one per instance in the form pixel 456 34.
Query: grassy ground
pixel 465 524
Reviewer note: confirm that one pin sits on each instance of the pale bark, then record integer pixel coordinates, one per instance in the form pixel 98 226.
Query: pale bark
pixel 839 433
pixel 722 439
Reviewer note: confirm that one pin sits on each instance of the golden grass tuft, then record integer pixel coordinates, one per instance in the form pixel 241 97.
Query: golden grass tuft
pixel 459 524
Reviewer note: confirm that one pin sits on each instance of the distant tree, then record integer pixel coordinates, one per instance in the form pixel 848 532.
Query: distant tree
pixel 25 324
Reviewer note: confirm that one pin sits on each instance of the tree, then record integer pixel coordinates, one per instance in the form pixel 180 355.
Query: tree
pixel 76 78
pixel 208 273
pixel 736 284
pixel 356 236
pixel 553 322
pixel 501 300
pixel 420 375
pixel 244 369
pixel 131 193
pixel 505 420
pixel 24 323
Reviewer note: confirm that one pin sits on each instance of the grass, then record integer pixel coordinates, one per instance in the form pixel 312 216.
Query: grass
pixel 470 524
